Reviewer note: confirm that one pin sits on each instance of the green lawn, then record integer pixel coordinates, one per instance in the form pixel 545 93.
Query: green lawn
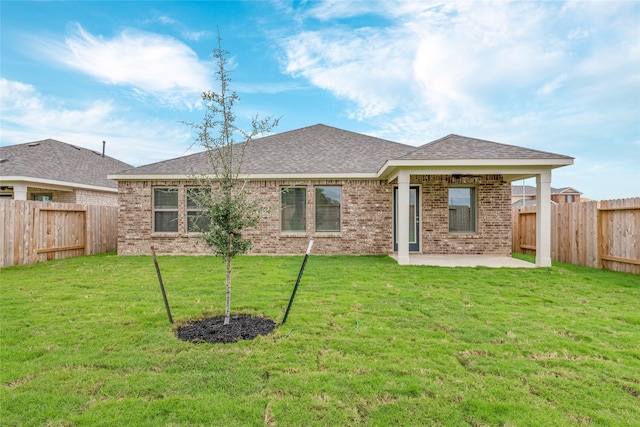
pixel 86 341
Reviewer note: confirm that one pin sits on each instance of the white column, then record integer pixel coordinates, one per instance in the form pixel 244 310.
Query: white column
pixel 19 191
pixel 543 219
pixel 402 220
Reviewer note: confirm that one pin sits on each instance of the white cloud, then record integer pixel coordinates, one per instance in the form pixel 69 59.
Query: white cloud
pixel 183 30
pixel 269 88
pixel 470 63
pixel 152 64
pixel 28 116
pixel 360 66
pixel 441 59
pixel 553 85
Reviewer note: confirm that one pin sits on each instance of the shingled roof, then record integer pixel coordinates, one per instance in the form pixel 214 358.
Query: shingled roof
pixel 54 160
pixel 325 150
pixel 453 147
pixel 313 149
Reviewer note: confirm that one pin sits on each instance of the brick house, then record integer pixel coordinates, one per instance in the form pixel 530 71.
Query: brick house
pixel 525 195
pixel 55 171
pixel 350 193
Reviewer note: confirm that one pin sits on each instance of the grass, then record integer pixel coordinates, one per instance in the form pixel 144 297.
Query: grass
pixel 86 341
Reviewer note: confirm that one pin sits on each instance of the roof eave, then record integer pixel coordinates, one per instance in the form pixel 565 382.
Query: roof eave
pixel 252 177
pixel 53 184
pixel 488 166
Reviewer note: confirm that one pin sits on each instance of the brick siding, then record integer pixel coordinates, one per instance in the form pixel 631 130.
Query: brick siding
pixel 84 197
pixel 366 219
pixel 493 226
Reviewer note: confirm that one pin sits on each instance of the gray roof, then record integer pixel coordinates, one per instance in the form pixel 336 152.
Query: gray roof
pixel 313 149
pixel 321 149
pixel 58 161
pixel 528 202
pixel 530 190
pixel 461 147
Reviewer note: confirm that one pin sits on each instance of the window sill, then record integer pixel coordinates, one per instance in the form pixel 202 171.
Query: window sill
pixel 293 234
pixel 316 235
pixel 161 234
pixel 319 234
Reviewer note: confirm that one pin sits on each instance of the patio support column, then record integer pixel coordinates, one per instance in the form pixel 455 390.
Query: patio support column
pixel 402 219
pixel 19 191
pixel 543 219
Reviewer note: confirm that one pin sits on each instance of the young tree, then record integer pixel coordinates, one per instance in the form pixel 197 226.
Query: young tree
pixel 226 209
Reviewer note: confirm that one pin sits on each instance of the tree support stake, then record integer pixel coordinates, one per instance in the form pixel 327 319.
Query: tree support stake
pixel 295 288
pixel 164 294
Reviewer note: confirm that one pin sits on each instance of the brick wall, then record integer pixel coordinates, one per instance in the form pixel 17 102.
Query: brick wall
pixel 98 198
pixel 57 196
pixel 493 219
pixel 366 220
pixel 84 197
pixel 367 215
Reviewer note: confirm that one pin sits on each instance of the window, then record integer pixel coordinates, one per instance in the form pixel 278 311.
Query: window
pixel 43 197
pixel 328 208
pixel 196 207
pixel 165 210
pixel 293 209
pixel 462 210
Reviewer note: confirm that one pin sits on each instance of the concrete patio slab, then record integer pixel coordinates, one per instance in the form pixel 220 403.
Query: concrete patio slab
pixel 492 261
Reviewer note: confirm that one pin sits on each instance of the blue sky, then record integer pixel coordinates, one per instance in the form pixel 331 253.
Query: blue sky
pixel 554 76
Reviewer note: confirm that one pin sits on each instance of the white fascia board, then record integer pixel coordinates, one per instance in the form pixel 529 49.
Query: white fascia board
pixel 517 172
pixel 50 184
pixel 363 175
pixel 252 177
pixel 556 162
pixel 470 166
pixel 151 177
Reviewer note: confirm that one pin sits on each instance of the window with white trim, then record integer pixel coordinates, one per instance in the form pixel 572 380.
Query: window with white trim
pixel 197 198
pixel 462 210
pixel 293 209
pixel 165 210
pixel 327 205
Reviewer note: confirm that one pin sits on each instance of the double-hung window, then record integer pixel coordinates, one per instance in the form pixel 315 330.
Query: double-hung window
pixel 165 210
pixel 328 201
pixel 197 202
pixel 293 209
pixel 462 210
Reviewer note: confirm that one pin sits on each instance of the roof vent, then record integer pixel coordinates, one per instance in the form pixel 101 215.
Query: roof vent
pixel 34 144
pixel 3 160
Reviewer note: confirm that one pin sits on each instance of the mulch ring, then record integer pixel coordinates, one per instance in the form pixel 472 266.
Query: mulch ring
pixel 213 330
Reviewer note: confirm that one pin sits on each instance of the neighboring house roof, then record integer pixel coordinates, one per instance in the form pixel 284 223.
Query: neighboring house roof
pixel 564 190
pixel 54 162
pixel 530 190
pixel 528 202
pixel 324 151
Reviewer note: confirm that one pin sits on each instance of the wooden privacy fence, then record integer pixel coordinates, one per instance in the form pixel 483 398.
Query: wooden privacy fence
pixel 31 231
pixel 602 234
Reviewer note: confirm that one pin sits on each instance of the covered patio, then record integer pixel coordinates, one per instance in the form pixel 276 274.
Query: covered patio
pixel 461 156
pixel 491 261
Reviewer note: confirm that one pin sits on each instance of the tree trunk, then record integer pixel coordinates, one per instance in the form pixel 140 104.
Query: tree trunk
pixel 227 312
